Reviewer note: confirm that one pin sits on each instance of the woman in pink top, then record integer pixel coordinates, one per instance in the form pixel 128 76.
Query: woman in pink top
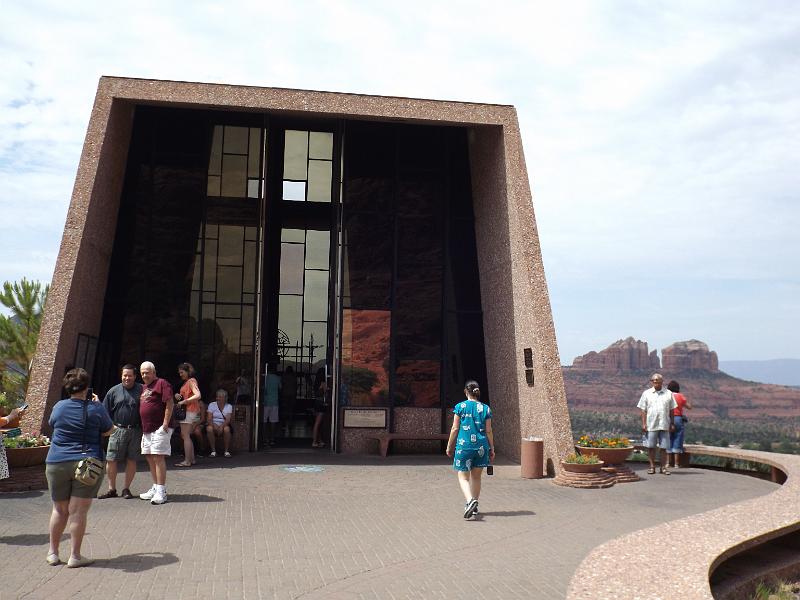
pixel 189 397
pixel 679 420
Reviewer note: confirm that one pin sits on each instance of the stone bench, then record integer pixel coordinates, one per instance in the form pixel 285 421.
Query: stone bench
pixel 384 439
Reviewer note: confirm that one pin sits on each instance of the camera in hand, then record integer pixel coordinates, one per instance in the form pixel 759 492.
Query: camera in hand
pixel 490 470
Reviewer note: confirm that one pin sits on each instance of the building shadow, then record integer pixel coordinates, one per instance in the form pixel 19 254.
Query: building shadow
pixel 188 498
pixel 137 562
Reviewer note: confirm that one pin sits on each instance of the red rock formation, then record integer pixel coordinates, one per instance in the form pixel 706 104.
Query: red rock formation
pixel 622 355
pixel 689 355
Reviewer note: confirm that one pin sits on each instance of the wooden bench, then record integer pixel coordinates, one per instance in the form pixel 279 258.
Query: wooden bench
pixel 384 439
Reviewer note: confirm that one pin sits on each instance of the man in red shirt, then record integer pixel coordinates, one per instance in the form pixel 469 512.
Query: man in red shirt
pixel 155 410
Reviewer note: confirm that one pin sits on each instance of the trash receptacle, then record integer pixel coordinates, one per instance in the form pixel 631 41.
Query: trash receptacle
pixel 532 458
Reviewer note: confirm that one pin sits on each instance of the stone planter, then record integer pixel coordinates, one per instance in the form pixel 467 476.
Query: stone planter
pixel 610 456
pixel 614 459
pixel 26 457
pixel 576 468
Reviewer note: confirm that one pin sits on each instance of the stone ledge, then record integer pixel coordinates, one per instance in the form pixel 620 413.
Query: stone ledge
pixel 699 543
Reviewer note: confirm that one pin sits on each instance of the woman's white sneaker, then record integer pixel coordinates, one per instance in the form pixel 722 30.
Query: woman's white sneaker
pixel 148 495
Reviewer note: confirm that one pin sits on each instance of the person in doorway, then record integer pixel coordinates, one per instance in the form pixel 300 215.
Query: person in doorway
pixel 155 409
pixel 189 397
pixel 219 423
pixel 679 421
pixel 471 444
pixel 271 394
pixel 125 444
pixel 78 423
pixel 321 388
pixel 288 397
pixel 655 407
pixel 243 390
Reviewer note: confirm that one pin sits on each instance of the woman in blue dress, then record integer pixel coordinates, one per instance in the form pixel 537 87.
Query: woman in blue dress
pixel 471 444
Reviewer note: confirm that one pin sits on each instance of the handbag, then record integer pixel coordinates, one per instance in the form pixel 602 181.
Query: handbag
pixel 90 469
pixel 179 412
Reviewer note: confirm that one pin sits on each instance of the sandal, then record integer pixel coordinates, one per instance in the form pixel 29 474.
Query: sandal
pixel 651 471
pixel 664 471
pixel 183 464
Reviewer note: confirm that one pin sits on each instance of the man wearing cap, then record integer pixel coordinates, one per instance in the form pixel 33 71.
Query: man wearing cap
pixel 656 406
pixel 122 403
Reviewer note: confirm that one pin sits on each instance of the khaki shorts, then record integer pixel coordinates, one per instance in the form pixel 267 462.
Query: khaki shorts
pixel 62 484
pixel 125 444
pixel 157 442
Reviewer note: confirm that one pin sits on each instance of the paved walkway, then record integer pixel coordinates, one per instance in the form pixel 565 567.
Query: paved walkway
pixel 363 527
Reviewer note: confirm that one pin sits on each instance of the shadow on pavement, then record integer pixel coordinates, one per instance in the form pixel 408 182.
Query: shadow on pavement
pixel 506 513
pixel 26 539
pixel 193 498
pixel 138 562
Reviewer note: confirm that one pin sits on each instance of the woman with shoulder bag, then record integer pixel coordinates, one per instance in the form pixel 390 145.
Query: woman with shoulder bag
pixel 74 463
pixel 187 407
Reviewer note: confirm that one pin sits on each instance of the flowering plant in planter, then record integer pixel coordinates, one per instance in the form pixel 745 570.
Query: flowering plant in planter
pixel 582 459
pixel 589 441
pixel 27 440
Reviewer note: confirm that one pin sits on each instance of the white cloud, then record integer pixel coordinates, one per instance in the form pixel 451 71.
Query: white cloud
pixel 661 139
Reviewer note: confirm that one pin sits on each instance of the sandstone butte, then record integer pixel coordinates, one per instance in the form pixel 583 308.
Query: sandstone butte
pixel 612 380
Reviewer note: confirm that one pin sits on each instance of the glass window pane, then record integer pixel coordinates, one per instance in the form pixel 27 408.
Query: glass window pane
pixel 234 175
pixel 290 317
pixel 215 162
pixel 231 238
pixel 365 357
pixel 417 383
pixel 250 233
pixel 212 230
pixel 319 180
pixel 209 297
pixel 466 358
pixel 317 249
pixel 316 296
pixel 368 255
pixel 463 284
pixel 250 267
pixel 319 331
pixel 231 333
pixel 213 185
pixel 196 274
pixel 235 140
pixel 210 266
pixel 292 268
pixel 229 311
pixel 294 190
pixel 248 321
pixel 254 154
pixel 420 194
pixel 295 155
pixel 320 145
pixel 252 188
pixel 293 235
pixel 229 286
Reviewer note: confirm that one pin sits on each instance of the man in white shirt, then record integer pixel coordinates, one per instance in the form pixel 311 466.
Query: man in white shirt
pixel 656 406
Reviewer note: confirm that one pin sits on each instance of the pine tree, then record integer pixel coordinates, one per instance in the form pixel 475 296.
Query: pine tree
pixel 19 332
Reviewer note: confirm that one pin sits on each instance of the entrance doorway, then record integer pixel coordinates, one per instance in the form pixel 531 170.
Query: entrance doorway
pixel 302 188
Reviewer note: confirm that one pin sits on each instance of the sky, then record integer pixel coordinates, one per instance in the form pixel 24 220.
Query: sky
pixel 662 139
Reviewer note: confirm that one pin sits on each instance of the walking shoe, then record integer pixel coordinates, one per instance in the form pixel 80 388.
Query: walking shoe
pixel 159 498
pixel 126 493
pixel 108 494
pixel 475 512
pixel 227 454
pixel 212 455
pixel 81 561
pixel 53 560
pixel 469 509
pixel 148 495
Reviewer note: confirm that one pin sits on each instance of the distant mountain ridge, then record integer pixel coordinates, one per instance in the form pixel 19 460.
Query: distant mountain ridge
pixel 781 371
pixel 613 379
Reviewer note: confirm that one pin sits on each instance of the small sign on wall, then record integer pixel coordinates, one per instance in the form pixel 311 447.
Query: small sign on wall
pixel 365 417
